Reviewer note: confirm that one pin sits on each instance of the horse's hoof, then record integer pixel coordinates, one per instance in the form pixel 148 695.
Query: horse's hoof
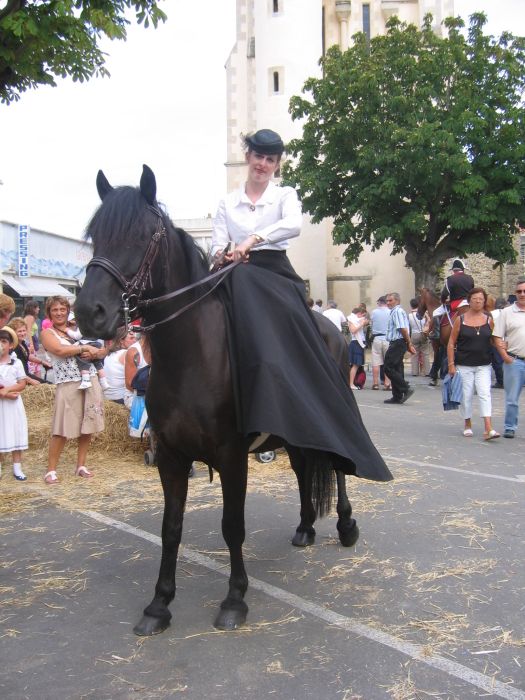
pixel 149 626
pixel 349 537
pixel 303 539
pixel 231 616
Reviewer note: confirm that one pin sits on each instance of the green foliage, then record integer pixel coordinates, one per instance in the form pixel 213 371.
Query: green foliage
pixel 40 39
pixel 416 140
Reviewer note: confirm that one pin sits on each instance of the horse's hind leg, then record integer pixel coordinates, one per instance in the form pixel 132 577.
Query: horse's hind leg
pixel 234 478
pixel 174 478
pixel 346 525
pixel 305 533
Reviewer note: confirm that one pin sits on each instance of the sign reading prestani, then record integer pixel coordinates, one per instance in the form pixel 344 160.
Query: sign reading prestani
pixel 24 269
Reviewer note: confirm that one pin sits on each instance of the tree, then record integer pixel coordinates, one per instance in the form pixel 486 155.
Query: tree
pixel 416 140
pixel 40 39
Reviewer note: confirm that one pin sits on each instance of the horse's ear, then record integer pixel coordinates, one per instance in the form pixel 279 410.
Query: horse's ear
pixel 103 186
pixel 148 185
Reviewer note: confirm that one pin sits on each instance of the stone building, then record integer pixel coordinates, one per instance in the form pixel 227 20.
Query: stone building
pixel 278 46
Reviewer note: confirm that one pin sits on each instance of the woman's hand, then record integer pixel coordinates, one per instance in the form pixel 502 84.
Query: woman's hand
pixel 243 249
pixel 8 393
pixel 45 364
pixel 451 369
pixel 88 353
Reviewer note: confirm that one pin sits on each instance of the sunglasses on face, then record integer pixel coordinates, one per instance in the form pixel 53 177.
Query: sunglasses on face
pixel 520 291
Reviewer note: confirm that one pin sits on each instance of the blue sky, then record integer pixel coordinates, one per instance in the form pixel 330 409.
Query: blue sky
pixel 164 105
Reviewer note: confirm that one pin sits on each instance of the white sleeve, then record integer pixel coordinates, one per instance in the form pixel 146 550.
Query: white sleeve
pixel 220 236
pixel 19 367
pixel 500 326
pixel 290 224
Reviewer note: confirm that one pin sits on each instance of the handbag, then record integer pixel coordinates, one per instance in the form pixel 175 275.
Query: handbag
pixel 138 417
pixel 36 344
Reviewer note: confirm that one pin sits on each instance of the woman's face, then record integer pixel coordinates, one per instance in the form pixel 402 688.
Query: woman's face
pixel 261 167
pixel 477 301
pixel 58 313
pixel 128 341
pixel 21 333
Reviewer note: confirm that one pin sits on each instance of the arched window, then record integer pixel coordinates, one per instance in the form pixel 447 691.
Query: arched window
pixel 276 81
pixel 276 5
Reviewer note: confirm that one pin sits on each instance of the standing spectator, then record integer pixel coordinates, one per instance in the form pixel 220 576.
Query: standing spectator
pixel 310 302
pixel 337 317
pixel 379 320
pixel 510 327
pixel 13 421
pixel 497 360
pixel 318 306
pixel 77 414
pixel 357 321
pixel 419 336
pixel 7 309
pixel 137 357
pixel 471 336
pixel 398 335
pixel 30 314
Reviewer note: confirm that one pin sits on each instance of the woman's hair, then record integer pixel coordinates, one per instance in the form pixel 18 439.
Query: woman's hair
pixel 16 323
pixel 4 335
pixel 30 308
pixel 477 290
pixel 56 300
pixel 7 305
pixel 115 343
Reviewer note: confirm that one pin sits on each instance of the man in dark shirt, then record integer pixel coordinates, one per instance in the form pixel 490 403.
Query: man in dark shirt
pixel 456 288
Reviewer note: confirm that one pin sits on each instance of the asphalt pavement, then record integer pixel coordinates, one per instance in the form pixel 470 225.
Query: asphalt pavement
pixel 429 603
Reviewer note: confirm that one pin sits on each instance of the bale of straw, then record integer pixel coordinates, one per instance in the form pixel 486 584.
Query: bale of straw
pixel 113 442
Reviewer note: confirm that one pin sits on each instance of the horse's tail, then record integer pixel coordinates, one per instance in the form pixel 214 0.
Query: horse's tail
pixel 319 477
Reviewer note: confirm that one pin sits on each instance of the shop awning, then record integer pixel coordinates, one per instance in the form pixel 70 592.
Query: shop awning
pixel 36 287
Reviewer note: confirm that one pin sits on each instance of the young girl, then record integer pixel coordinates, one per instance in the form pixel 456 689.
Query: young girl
pixel 13 422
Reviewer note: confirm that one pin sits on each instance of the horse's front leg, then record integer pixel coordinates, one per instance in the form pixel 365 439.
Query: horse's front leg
pixel 234 477
pixel 305 533
pixel 174 478
pixel 346 525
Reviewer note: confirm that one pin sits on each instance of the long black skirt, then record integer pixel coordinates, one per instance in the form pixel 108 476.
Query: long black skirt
pixel 285 381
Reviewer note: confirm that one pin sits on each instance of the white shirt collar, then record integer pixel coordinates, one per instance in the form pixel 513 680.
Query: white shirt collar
pixel 268 196
pixel 517 309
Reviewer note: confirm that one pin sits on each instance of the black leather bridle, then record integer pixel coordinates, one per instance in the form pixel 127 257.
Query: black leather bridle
pixel 134 288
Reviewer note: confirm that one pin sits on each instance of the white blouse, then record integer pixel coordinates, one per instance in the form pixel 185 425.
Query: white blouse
pixel 115 376
pixel 276 217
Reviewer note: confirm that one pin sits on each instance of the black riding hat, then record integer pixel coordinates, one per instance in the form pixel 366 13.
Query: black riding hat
pixel 266 142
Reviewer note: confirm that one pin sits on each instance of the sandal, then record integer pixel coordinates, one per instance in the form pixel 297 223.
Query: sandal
pixel 54 479
pixel 387 388
pixel 375 387
pixel 468 432
pixel 492 435
pixel 83 473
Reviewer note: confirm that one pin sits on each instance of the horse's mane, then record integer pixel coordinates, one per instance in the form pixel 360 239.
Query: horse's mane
pixel 121 220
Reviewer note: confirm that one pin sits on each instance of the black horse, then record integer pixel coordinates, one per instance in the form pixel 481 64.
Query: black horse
pixel 189 397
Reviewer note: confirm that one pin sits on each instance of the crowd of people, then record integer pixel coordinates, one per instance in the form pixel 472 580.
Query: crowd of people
pixel 480 342
pixel 84 371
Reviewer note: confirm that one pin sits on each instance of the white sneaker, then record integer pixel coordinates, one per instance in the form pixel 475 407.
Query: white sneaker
pixel 85 384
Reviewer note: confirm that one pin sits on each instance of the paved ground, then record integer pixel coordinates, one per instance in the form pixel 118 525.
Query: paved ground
pixel 437 574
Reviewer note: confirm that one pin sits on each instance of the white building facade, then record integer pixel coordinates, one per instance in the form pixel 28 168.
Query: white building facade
pixel 279 43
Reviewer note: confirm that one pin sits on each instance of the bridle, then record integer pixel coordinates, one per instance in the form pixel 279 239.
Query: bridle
pixel 134 288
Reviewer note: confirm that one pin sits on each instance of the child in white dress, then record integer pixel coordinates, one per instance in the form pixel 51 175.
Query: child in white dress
pixel 13 422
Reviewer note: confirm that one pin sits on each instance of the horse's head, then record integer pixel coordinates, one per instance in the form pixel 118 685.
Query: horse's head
pixel 121 229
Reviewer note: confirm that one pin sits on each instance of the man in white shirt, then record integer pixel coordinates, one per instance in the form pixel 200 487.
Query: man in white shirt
pixel 497 360
pixel 318 306
pixel 510 327
pixel 337 317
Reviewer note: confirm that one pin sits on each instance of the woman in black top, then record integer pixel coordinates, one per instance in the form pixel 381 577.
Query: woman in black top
pixel 471 338
pixel 23 353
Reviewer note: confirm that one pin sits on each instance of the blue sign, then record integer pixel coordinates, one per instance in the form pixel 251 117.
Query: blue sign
pixel 23 251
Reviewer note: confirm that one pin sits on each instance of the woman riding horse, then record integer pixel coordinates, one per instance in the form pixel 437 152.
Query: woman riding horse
pixel 266 370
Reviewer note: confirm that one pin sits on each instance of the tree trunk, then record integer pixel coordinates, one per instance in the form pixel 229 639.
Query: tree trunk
pixel 425 267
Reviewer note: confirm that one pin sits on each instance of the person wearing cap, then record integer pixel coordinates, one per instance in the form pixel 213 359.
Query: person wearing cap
pixel 284 380
pixel 456 289
pixel 13 421
pixel 379 320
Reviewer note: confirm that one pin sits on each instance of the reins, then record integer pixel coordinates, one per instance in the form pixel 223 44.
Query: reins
pixel 135 288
